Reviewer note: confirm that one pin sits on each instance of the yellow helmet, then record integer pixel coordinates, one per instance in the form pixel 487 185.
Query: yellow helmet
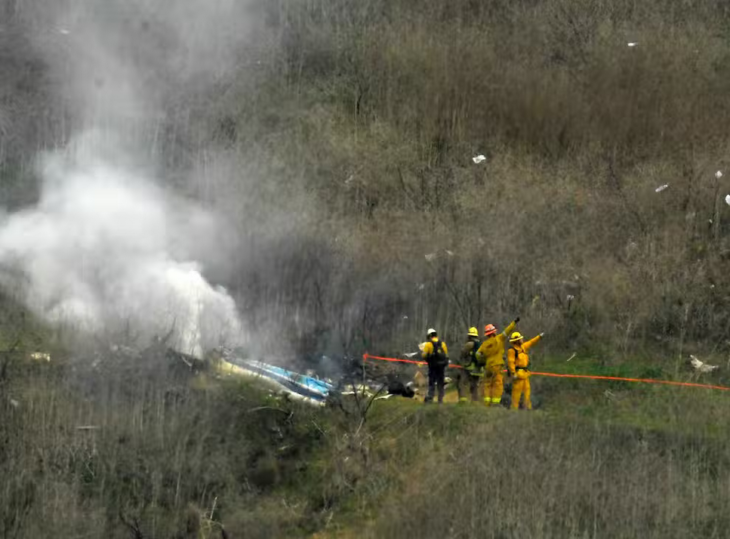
pixel 516 336
pixel 473 332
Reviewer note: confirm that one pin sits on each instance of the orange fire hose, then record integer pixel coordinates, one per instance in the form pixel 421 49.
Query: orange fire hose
pixel 367 356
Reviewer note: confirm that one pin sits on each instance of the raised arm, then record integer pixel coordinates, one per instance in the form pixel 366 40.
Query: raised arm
pixel 529 344
pixel 510 328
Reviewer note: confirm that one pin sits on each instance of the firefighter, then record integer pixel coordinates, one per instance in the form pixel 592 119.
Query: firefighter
pixel 470 376
pixel 436 355
pixel 491 353
pixel 518 363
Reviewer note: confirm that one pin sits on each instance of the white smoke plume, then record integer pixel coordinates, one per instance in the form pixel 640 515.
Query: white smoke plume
pixel 104 250
pixel 107 250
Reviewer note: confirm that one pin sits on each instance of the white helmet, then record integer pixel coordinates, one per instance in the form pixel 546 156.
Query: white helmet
pixel 431 332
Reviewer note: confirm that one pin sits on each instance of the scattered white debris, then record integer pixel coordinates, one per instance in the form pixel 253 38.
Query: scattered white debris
pixel 570 297
pixel 411 355
pixel 701 366
pixel 712 287
pixel 421 286
pixel 40 356
pixel 87 427
pixel 632 44
pixel 430 257
pixel 349 179
pixel 63 31
pixel 14 403
pixel 405 317
pixel 661 188
pixel 718 174
pixel 478 159
pixel 450 253
pixel 727 200
pixel 571 357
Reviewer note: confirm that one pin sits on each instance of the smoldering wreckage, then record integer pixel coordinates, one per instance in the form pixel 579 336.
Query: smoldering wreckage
pixel 355 378
pixel 309 388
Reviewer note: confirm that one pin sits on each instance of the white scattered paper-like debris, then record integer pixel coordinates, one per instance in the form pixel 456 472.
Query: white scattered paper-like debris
pixel 421 286
pixel 450 253
pixel 411 355
pixel 405 317
pixel 571 297
pixel 718 174
pixel 63 31
pixel 632 44
pixel 478 159
pixel 14 403
pixel 430 257
pixel 701 366
pixel 727 200
pixel 41 356
pixel 661 188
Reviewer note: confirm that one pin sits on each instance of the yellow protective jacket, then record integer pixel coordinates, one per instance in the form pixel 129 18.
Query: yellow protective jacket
pixel 428 349
pixel 492 349
pixel 517 355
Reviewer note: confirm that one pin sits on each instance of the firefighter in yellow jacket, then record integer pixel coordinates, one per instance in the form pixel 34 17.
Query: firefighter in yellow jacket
pixel 436 356
pixel 518 363
pixel 491 353
pixel 471 373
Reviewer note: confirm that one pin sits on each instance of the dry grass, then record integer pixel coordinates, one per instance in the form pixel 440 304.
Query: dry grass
pixel 552 478
pixel 171 456
pixel 130 449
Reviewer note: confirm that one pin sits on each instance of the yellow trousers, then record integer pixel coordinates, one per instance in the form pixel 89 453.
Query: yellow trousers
pixel 493 385
pixel 521 386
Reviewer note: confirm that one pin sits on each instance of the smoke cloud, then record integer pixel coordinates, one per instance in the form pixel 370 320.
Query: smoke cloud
pixel 107 249
pixel 104 252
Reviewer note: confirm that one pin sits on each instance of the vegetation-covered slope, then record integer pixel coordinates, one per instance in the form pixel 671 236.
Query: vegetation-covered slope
pixel 339 149
pixel 102 454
